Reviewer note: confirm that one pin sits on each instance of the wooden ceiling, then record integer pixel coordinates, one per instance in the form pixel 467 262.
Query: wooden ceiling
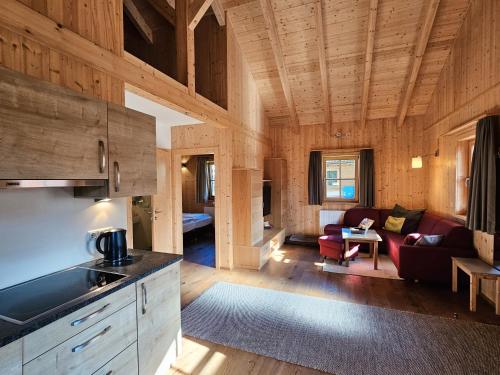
pixel 325 61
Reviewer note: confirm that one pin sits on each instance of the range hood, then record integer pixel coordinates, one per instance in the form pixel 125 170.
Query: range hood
pixel 24 184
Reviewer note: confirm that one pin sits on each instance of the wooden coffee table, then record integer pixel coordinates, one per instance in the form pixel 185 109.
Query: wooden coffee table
pixel 370 237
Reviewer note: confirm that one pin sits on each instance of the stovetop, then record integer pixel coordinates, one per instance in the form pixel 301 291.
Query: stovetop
pixel 27 301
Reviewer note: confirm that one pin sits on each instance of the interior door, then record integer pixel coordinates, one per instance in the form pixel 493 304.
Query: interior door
pixel 132 152
pixel 49 132
pixel 162 203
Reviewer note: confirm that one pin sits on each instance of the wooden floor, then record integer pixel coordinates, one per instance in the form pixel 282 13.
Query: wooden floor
pixel 296 269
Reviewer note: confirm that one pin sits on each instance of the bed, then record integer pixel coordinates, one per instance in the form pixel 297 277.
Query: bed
pixel 192 221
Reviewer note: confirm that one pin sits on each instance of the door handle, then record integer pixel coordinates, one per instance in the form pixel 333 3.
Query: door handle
pixel 102 157
pixel 117 176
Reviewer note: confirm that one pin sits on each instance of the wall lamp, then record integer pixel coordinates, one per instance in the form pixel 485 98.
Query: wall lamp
pixel 416 162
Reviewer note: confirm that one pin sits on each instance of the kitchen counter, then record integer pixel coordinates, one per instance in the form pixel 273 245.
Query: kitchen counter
pixel 146 263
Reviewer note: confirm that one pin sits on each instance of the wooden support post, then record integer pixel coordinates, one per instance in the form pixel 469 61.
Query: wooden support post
pixel 185 47
pixel 370 42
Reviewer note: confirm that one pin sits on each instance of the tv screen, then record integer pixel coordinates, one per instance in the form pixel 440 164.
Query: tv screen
pixel 266 198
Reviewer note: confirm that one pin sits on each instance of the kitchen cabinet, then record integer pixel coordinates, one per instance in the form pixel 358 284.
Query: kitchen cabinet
pixel 158 320
pixel 132 152
pixel 11 360
pixel 91 349
pixel 49 132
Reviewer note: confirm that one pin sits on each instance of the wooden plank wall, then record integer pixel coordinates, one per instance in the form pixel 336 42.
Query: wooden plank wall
pixel 395 180
pixel 93 19
pixel 468 86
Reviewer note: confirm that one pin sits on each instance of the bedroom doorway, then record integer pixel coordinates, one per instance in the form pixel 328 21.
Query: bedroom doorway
pixel 198 172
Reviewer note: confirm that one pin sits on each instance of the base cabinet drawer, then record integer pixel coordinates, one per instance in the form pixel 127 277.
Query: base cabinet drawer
pixel 124 363
pixel 48 337
pixel 91 349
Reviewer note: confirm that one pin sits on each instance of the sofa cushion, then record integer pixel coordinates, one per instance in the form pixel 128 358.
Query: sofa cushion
pixel 430 240
pixel 393 241
pixel 394 224
pixel 411 238
pixel 427 223
pixel 412 217
pixel 353 216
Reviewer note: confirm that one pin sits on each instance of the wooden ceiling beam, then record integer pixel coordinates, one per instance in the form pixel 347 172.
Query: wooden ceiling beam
pixel 219 12
pixel 323 68
pixel 370 42
pixel 165 9
pixel 228 4
pixel 420 48
pixel 272 31
pixel 184 37
pixel 138 20
pixel 197 10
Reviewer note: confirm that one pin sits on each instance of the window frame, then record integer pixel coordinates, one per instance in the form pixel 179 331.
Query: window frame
pixel 210 179
pixel 340 156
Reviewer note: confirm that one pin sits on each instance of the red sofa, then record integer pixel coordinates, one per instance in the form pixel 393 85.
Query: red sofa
pixel 416 262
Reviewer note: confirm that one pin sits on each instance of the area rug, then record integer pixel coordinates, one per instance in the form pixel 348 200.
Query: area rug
pixel 339 337
pixel 363 266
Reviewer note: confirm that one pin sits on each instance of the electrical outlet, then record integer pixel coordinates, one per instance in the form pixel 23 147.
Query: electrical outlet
pixel 93 234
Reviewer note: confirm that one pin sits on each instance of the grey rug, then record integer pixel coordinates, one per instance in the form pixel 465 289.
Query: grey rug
pixel 339 337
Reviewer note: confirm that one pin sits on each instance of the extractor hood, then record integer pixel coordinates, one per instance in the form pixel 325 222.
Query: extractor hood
pixel 24 184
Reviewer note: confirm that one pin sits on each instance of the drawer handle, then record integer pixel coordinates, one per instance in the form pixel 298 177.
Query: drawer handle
pixel 82 346
pixel 102 157
pixel 144 298
pixel 77 322
pixel 109 372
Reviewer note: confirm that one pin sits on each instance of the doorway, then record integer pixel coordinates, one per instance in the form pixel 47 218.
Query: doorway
pixel 152 215
pixel 198 208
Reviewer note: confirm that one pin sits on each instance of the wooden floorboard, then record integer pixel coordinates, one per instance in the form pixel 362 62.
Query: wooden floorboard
pixel 296 269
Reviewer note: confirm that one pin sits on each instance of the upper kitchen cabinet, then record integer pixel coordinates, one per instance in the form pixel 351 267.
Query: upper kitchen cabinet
pixel 50 133
pixel 132 152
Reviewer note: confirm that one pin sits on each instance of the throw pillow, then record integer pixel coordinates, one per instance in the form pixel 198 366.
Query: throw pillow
pixel 411 239
pixel 394 224
pixel 412 217
pixel 429 240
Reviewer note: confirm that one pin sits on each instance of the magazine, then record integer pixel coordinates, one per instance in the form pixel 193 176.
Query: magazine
pixel 366 223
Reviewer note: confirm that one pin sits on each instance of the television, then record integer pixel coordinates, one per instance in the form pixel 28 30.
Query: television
pixel 266 198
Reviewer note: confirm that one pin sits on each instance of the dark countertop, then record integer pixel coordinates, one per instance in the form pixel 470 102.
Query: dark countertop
pixel 147 262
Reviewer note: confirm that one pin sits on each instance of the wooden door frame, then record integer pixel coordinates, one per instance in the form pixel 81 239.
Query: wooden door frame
pixel 177 154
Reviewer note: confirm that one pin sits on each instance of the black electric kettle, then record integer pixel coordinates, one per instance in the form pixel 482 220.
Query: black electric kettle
pixel 115 245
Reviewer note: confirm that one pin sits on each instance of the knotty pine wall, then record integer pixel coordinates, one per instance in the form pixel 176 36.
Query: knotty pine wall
pixel 469 85
pixel 395 180
pixel 96 20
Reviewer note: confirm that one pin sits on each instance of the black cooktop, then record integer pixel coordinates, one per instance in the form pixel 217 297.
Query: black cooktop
pixel 24 302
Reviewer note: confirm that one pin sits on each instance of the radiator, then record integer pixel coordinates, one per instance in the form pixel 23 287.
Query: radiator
pixel 330 217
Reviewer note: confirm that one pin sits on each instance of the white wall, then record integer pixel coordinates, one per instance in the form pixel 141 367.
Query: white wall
pixel 165 117
pixel 45 230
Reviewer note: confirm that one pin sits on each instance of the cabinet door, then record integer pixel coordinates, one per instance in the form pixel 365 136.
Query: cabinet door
pixel 11 360
pixel 159 320
pixel 132 152
pixel 49 132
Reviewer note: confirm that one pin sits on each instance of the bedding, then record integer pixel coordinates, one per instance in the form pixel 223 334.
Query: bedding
pixel 192 221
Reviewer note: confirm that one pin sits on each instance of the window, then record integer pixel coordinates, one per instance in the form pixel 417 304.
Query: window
pixel 465 149
pixel 341 177
pixel 211 179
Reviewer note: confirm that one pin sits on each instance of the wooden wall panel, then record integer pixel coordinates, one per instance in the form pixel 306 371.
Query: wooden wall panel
pixel 395 180
pixel 99 21
pixel 32 58
pixel 469 85
pixel 211 60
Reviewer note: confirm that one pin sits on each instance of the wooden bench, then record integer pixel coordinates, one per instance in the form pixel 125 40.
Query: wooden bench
pixel 476 269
